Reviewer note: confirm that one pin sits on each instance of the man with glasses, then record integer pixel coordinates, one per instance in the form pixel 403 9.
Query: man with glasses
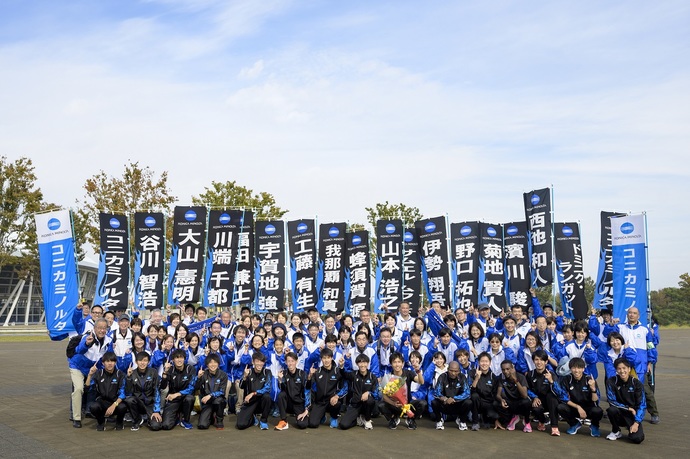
pixel 89 351
pixel 84 323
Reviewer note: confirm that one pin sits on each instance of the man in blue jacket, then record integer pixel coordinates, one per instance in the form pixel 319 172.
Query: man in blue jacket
pixel 89 351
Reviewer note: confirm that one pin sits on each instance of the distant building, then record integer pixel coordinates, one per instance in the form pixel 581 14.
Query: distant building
pixel 21 300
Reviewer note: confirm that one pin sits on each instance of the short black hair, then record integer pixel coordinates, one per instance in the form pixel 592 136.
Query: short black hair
pixel 576 362
pixel 178 353
pixel 109 357
pixel 325 352
pixel 364 358
pixel 259 356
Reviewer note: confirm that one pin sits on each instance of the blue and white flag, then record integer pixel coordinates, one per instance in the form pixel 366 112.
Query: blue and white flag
pixel 59 274
pixel 628 244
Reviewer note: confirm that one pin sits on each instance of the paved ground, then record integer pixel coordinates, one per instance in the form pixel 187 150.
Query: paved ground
pixel 34 411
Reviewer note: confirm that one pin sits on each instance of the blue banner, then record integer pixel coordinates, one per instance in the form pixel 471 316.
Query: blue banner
pixel 628 244
pixel 59 274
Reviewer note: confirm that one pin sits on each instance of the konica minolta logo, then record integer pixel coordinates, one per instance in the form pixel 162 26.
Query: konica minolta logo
pixel 356 240
pixel 390 228
pixel 333 232
pixel 408 236
pixel 301 228
pixel 627 228
pixel 224 218
pixel 53 224
pixel 512 230
pixel 149 221
pixel 535 200
pixel 465 230
pixel 491 231
pixel 430 227
pixel 114 223
pixel 270 229
pixel 190 215
pixel 567 231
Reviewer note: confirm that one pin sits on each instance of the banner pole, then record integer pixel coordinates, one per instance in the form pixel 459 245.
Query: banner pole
pixel 554 283
pixel 648 283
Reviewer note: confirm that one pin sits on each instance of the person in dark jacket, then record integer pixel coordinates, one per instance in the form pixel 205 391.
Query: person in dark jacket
pixel 541 390
pixel 109 384
pixel 364 392
pixel 483 387
pixel 328 390
pixel 512 400
pixel 579 398
pixel 142 394
pixel 628 403
pixel 211 385
pixel 180 380
pixel 295 394
pixel 256 387
pixel 452 397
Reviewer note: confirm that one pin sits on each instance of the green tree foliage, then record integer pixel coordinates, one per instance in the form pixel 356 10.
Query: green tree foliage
pixel 671 305
pixel 230 194
pixel 408 214
pixel 20 199
pixel 138 189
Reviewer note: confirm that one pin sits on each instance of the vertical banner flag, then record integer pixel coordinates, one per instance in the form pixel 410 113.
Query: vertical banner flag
pixel 331 274
pixel 243 281
pixel 628 244
pixel 269 266
pixel 187 259
pixel 570 271
pixel 112 283
pixel 464 249
pixel 539 225
pixel 603 292
pixel 389 269
pixel 491 272
pixel 220 264
pixel 515 244
pixel 412 271
pixel 434 255
pixel 302 248
pixel 149 260
pixel 59 275
pixel 357 285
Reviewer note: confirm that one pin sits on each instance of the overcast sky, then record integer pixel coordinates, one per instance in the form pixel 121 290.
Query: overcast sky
pixel 454 107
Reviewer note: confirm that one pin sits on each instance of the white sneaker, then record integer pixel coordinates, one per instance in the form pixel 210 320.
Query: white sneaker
pixel 439 425
pixel 614 436
pixel 368 425
pixel 360 420
pixel 462 426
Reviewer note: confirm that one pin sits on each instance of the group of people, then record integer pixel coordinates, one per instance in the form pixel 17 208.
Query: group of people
pixel 470 368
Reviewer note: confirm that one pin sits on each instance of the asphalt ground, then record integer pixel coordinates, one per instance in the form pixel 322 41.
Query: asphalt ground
pixel 34 412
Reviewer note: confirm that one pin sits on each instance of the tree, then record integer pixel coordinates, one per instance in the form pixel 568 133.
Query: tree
pixel 407 214
pixel 671 305
pixel 139 189
pixel 230 194
pixel 20 199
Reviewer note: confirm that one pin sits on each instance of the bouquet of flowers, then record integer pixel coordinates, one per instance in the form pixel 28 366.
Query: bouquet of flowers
pixel 395 388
